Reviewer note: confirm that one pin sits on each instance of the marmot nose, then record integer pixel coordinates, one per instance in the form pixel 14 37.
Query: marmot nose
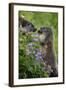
pixel 40 32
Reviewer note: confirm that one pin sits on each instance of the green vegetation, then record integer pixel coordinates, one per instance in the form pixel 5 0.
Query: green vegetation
pixel 28 66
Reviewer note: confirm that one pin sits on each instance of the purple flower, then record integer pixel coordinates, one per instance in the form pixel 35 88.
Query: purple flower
pixel 38 56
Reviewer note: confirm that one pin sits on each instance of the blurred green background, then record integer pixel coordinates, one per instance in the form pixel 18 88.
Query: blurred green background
pixel 27 67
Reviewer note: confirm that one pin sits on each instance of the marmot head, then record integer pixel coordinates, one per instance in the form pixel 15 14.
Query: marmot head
pixel 45 35
pixel 26 26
